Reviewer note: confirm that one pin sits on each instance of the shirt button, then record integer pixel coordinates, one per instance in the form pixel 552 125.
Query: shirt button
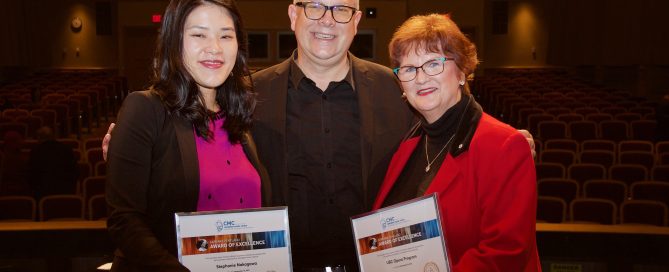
pixel 327 130
pixel 329 165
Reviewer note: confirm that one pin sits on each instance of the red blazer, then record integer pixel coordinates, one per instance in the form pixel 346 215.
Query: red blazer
pixel 487 198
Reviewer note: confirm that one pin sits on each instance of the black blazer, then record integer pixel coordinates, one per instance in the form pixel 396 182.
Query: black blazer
pixel 153 172
pixel 385 119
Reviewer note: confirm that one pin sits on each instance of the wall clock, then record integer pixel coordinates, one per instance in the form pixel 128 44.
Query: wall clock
pixel 76 24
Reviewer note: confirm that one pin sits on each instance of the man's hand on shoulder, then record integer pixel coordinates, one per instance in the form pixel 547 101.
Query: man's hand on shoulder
pixel 107 138
pixel 530 140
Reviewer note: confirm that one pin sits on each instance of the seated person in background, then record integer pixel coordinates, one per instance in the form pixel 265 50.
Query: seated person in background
pixel 52 168
pixel 481 168
pixel 13 166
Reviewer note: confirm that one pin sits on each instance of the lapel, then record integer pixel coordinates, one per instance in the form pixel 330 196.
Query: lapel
pixel 250 150
pixel 364 87
pixel 188 151
pixel 448 171
pixel 277 97
pixel 395 168
pixel 276 120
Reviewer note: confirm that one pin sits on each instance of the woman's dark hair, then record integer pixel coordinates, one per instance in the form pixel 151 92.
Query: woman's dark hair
pixel 179 92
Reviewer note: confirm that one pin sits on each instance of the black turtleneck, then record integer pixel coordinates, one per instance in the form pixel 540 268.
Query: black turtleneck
pixel 414 180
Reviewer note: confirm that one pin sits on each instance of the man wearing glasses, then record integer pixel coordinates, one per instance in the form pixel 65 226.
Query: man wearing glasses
pixel 326 126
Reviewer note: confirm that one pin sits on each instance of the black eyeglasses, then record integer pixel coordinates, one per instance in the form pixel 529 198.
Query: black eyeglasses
pixel 431 68
pixel 315 11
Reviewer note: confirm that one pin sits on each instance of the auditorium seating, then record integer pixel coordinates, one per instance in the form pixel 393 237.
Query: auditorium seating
pixel 73 102
pixel 636 145
pixel 643 158
pixel 660 173
pixel 61 207
pixel 582 130
pixel 93 186
pixel 549 170
pixel 651 190
pixel 551 209
pixel 582 172
pixel 593 211
pixel 613 190
pixel 663 159
pixel 562 144
pixel 97 208
pixel 647 212
pixel 563 157
pixel 17 208
pixel 77 96
pixel 600 138
pixel 613 130
pixel 601 157
pixel 565 189
pixel 100 168
pixel 595 144
pixel 628 173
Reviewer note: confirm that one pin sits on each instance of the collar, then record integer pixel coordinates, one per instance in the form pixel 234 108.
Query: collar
pixel 440 131
pixel 296 75
pixel 463 133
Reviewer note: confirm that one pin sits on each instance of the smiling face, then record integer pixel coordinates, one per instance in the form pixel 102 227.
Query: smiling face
pixel 209 46
pixel 323 42
pixel 433 95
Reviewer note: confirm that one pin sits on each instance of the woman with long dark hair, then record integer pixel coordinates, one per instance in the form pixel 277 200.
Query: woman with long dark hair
pixel 184 145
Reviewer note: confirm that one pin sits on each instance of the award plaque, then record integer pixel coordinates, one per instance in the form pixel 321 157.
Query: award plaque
pixel 235 240
pixel 404 237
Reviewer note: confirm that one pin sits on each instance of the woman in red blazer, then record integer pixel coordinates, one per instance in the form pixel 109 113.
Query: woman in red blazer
pixel 481 168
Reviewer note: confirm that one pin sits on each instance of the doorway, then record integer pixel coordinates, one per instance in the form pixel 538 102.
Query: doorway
pixel 139 43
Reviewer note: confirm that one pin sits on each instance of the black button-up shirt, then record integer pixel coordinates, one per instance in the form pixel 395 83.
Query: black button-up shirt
pixel 324 168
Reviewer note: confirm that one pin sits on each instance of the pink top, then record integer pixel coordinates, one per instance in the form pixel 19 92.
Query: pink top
pixel 227 179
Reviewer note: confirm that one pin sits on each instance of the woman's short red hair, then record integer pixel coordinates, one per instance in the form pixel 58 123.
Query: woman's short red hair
pixel 435 33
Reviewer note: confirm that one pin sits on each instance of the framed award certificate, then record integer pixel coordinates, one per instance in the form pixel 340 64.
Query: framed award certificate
pixel 403 237
pixel 235 240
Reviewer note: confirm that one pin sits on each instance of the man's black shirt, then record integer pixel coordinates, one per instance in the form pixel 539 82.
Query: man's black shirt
pixel 324 169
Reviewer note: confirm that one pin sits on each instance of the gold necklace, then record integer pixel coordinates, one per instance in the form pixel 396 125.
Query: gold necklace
pixel 429 163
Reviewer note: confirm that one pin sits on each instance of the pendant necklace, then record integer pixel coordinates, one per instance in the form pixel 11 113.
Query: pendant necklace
pixel 429 163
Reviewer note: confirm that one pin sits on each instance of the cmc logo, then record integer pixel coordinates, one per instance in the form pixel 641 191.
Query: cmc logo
pixel 391 221
pixel 228 224
pixel 387 221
